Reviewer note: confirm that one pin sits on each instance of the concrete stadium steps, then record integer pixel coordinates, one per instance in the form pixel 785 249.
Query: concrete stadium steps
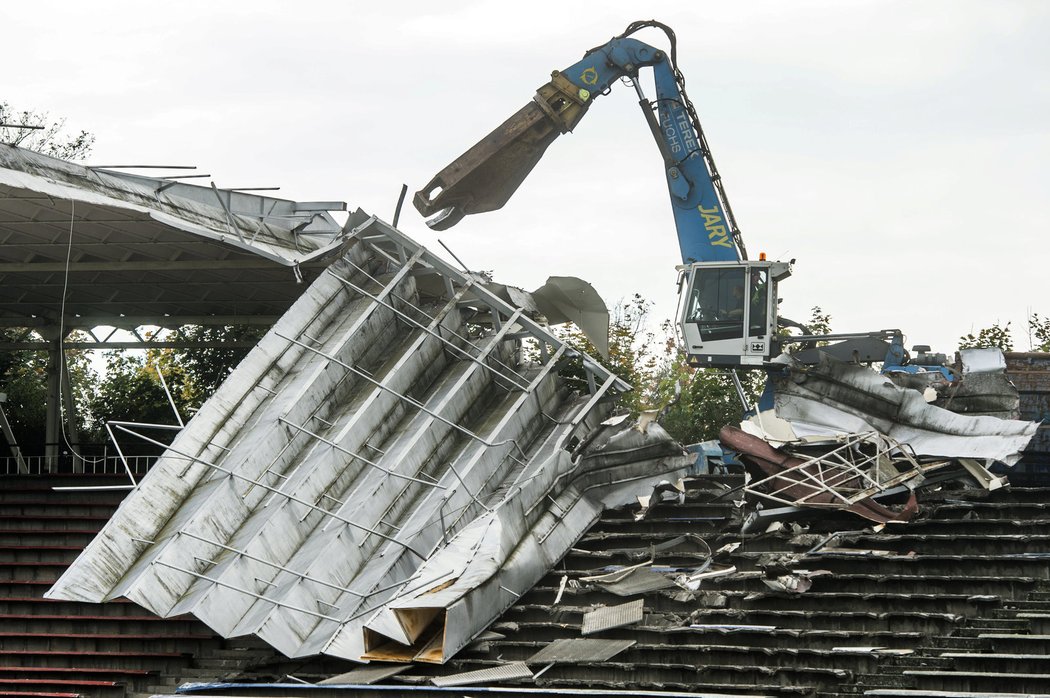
pixel 16 522
pixel 51 648
pixel 941 591
pixel 956 602
pixel 46 537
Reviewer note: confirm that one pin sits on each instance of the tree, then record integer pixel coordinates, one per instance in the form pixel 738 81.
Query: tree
pixel 707 401
pixel 131 389
pixel 819 321
pixel 24 380
pixel 204 368
pixel 37 131
pixel 1038 332
pixel 995 336
pixel 23 377
pixel 694 403
pixel 631 351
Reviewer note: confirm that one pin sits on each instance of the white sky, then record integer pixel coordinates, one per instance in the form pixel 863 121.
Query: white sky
pixel 900 151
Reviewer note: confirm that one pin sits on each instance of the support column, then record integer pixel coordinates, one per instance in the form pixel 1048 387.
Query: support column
pixel 71 440
pixel 53 418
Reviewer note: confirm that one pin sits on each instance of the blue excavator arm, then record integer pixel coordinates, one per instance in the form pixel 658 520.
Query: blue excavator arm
pixel 486 176
pixel 728 315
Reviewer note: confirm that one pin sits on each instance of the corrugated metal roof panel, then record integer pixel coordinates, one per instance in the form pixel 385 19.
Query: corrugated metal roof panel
pixel 384 466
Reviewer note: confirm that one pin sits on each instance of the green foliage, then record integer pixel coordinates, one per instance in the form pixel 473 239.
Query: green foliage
pixel 1039 332
pixel 819 321
pixel 202 369
pixel 694 403
pixel 995 336
pixel 131 389
pixel 707 402
pixel 631 351
pixel 49 140
pixel 23 376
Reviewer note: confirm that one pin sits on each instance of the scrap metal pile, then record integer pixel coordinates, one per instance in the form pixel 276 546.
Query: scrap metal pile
pixel 842 436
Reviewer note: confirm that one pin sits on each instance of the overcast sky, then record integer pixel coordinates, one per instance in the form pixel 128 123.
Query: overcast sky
pixel 898 150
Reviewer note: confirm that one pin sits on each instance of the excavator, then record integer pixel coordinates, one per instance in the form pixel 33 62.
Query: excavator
pixel 728 304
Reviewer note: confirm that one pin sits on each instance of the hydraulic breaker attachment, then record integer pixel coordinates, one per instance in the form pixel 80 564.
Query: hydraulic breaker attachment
pixel 486 176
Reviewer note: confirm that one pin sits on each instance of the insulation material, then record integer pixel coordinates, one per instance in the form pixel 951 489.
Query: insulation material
pixel 835 398
pixel 384 468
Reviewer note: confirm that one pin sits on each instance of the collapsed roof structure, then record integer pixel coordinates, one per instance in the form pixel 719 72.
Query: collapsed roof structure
pixel 132 250
pixel 399 462
pixel 383 474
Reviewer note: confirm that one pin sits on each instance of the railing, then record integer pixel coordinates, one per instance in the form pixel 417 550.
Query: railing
pixel 68 464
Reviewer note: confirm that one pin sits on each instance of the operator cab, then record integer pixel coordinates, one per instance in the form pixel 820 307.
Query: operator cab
pixel 728 315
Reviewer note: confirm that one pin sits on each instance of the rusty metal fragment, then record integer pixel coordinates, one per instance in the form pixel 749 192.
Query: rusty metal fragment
pixel 838 478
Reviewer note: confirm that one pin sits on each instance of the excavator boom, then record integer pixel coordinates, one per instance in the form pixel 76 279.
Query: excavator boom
pixel 485 177
pixel 728 317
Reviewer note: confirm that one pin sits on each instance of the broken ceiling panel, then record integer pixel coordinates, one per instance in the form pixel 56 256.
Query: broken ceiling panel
pixel 609 617
pixel 580 650
pixel 836 398
pixel 504 672
pixel 384 469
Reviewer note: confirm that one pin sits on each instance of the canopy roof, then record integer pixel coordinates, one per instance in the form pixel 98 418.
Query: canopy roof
pixel 127 250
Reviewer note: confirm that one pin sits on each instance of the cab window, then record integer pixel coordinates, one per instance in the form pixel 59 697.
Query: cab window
pixel 759 302
pixel 716 304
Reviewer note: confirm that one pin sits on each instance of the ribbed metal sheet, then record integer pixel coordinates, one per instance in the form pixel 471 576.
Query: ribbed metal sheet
pixel 363 676
pixel 367 476
pixel 610 617
pixel 843 398
pixel 579 650
pixel 507 672
pixel 640 581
